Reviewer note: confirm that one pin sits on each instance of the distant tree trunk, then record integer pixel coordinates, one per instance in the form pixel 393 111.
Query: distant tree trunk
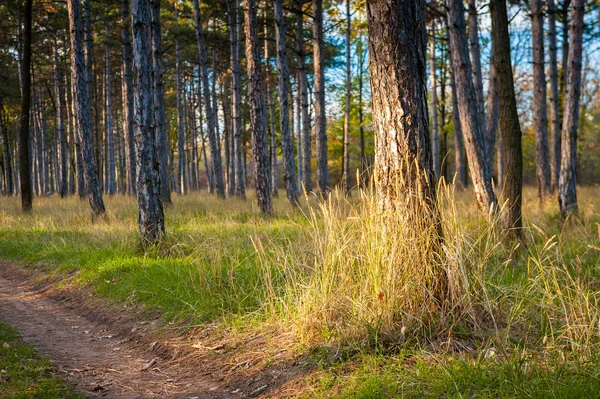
pixel 540 118
pixel 303 87
pixel 60 124
pixel 346 160
pixel 320 116
pixel 397 42
pixel 554 99
pixel 460 162
pixel 151 218
pixel 434 106
pixel 491 115
pixel 270 120
pixel 127 95
pixel 162 138
pixel 234 37
pixel 180 118
pixel 471 124
pixel 567 189
pixel 194 138
pixel 287 144
pixel 83 108
pixel 7 151
pixel 299 131
pixel 510 129
pixel 110 141
pixel 363 159
pixel 257 119
pixel 217 169
pixel 476 58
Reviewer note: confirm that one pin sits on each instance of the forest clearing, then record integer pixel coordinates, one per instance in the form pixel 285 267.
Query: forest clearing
pixel 299 199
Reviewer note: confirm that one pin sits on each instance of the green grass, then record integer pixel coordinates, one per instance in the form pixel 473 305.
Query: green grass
pixel 325 276
pixel 24 375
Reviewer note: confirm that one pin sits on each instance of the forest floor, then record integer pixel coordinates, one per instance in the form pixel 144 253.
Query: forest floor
pixel 236 305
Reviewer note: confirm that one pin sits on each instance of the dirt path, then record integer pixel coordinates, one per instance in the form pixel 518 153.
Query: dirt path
pixel 95 357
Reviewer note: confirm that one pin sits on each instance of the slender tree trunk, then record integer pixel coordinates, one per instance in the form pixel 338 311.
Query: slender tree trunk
pixel 257 119
pixel 127 95
pixel 180 119
pixel 83 108
pixel 270 115
pixel 6 149
pixel 60 124
pixel 567 189
pixel 346 160
pixel 540 118
pixel 217 169
pixel 303 87
pixel 491 116
pixel 460 162
pixel 299 130
pixel 470 120
pixel 162 138
pixel 554 98
pixel 320 116
pixel 476 58
pixel 509 120
pixel 363 159
pixel 110 134
pixel 434 106
pixel 151 218
pixel 287 144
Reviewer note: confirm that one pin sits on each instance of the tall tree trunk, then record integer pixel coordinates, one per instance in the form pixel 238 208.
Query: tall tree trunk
pixel 554 99
pixel 434 106
pixel 491 115
pixel 509 119
pixel 476 58
pixel 217 169
pixel 320 116
pixel 471 124
pixel 299 130
pixel 110 134
pixel 257 119
pixel 127 95
pixel 270 115
pixel 60 124
pixel 540 118
pixel 162 138
pixel 6 150
pixel 287 143
pixel 303 87
pixel 151 218
pixel 346 160
pixel 460 162
pixel 567 190
pixel 181 178
pixel 363 159
pixel 83 108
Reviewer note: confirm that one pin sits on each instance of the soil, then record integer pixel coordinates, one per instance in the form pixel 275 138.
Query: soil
pixel 105 351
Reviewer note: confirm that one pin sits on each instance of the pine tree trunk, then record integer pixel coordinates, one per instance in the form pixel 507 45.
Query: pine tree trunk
pixel 257 119
pixel 363 159
pixel 469 109
pixel 60 125
pixel 510 129
pixel 435 132
pixel 6 150
pixel 540 114
pixel 83 108
pixel 346 160
pixel 110 134
pixel 151 218
pixel 162 139
pixel 460 162
pixel 270 115
pixel 320 116
pixel 476 58
pixel 303 87
pixel 491 116
pixel 299 132
pixel 567 189
pixel 287 144
pixel 180 119
pixel 554 99
pixel 127 95
pixel 217 169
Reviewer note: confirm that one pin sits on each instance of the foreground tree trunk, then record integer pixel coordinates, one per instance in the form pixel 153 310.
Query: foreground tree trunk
pixel 434 106
pixel 111 165
pixel 60 125
pixel 287 144
pixel 303 87
pixel 24 163
pixel 346 160
pixel 405 178
pixel 510 129
pixel 491 116
pixel 540 114
pixel 83 108
pixel 476 58
pixel 554 99
pixel 151 218
pixel 567 189
pixel 470 121
pixel 320 117
pixel 127 95
pixel 257 118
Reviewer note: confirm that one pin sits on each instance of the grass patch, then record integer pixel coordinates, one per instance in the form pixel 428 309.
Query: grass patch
pixel 24 375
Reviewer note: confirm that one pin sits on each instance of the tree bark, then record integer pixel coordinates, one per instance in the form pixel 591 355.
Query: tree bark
pixel 554 99
pixel 470 117
pixel 287 144
pixel 540 114
pixel 567 189
pixel 510 129
pixel 270 116
pixel 460 162
pixel 491 116
pixel 476 58
pixel 60 124
pixel 257 119
pixel 346 160
pixel 150 210
pixel 320 116
pixel 162 139
pixel 110 134
pixel 217 169
pixel 83 108
pixel 303 87
pixel 181 178
pixel 127 96
pixel 434 106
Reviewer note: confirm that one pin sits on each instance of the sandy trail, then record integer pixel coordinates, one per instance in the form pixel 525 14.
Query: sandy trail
pixel 95 357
